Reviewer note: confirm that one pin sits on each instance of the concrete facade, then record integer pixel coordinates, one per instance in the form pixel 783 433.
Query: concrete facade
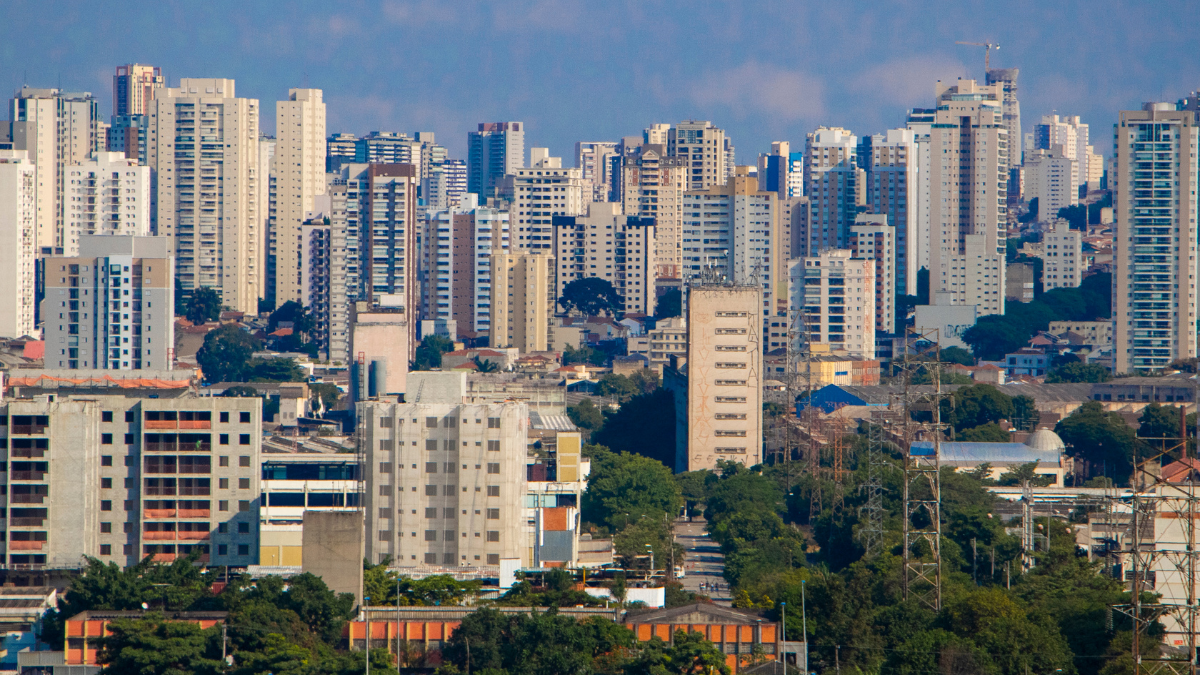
pixel 1050 179
pixel 332 541
pixel 107 194
pixel 831 178
pixel 703 148
pixel 542 191
pixel 457 249
pixel 298 173
pixel 380 347
pixel 445 481
pixel 1062 257
pixel 873 238
pixel 652 187
pixel 18 243
pixel 836 292
pixel 719 406
pixel 893 185
pixel 112 307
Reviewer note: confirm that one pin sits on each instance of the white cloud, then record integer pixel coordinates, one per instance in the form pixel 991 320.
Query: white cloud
pixel 909 81
pixel 755 88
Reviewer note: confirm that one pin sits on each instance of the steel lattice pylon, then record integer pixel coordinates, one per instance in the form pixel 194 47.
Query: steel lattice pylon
pixel 871 513
pixel 922 478
pixel 1163 561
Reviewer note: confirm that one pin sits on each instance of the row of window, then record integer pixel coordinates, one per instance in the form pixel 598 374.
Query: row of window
pixel 447 535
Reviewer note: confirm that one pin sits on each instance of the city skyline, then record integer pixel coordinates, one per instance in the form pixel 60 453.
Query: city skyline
pixel 765 74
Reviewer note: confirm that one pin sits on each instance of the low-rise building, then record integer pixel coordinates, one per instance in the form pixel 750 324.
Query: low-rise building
pixel 299 475
pixel 1029 362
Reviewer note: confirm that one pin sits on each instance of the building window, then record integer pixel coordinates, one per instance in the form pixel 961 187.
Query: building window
pixel 430 535
pixel 105 439
pixel 223 483
pixel 243 483
pixel 431 512
pixel 493 422
pixel 244 460
pixel 493 558
pixel 224 418
pixel 222 549
pixel 244 418
pixel 106 505
pixel 243 505
pixel 431 467
pixel 106 416
pixel 493 490
pixel 105 549
pixel 493 514
pixel 223 439
pixel 223 505
pixel 243 549
pixel 105 528
pixel 243 528
pixel 494 446
pixel 493 467
pixel 105 483
pixel 243 439
pixel 223 461
pixel 493 535
pixel 106 460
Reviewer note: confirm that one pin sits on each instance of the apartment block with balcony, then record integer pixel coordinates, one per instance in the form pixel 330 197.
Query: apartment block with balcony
pixel 607 245
pixel 121 479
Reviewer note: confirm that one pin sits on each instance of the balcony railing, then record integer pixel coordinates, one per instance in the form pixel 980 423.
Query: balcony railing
pixel 26 545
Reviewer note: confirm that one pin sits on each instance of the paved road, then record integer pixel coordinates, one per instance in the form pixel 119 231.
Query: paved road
pixel 705 563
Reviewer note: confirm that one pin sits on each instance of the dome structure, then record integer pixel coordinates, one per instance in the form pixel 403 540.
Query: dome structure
pixel 1044 440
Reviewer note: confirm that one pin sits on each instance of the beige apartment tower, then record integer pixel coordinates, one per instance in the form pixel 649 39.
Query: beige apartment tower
pixel 298 172
pixel 704 150
pixel 134 86
pixel 607 245
pixel 719 404
pixel 1155 237
pixel 522 301
pixel 18 243
pixel 652 186
pixel 202 146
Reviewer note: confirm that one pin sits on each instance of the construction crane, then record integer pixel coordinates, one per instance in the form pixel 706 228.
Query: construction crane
pixel 987 56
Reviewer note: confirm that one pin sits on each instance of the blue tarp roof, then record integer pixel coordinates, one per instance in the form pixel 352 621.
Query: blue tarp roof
pixel 956 453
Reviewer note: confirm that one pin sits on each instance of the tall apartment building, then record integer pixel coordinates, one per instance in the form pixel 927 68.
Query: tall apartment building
pixel 56 129
pixel 541 191
pixel 458 248
pixel 18 243
pixel 134 87
pixel 445 185
pixel 968 179
pixel 120 479
pixel 774 170
pixel 718 403
pixel 1073 135
pixel 315 279
pixel 1062 257
pixel 592 158
pixel 373 245
pixel 795 177
pixel 831 176
pixel 203 150
pixel 127 135
pixel 891 164
pixel 704 150
pixel 339 149
pixel 836 292
pixel 522 301
pixel 108 194
pixel 607 245
pixel 1005 81
pixel 872 238
pixel 735 229
pixel 445 480
pixel 657 134
pixel 298 176
pixel 111 307
pixel 920 121
pixel 1156 160
pixel 496 150
pixel 652 187
pixel 1050 179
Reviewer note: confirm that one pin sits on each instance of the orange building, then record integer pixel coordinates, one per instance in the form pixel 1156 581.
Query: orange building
pixel 84 629
pixel 423 630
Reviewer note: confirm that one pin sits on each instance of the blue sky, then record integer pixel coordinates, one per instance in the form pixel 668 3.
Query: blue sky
pixel 599 70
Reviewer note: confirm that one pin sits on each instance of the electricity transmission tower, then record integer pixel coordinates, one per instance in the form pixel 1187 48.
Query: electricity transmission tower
pixel 922 480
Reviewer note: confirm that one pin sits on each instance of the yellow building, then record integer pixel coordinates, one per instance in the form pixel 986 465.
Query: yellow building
pixel 522 301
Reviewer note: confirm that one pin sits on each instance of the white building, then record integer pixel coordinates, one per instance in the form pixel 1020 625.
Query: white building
pixel 831 184
pixel 107 194
pixel 1050 178
pixel 836 293
pixel 1155 237
pixel 893 190
pixel 872 238
pixel 1072 134
pixel 298 175
pixel 18 243
pixel 607 245
pixel 1062 257
pixel 653 186
pixel 57 129
pixel 541 191
pixel 968 212
pixel 734 229
pixel 202 148
pixel 705 150
pixel 445 480
pixel 920 122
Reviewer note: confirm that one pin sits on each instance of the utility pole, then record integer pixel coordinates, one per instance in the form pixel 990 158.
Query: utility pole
pixel 367 641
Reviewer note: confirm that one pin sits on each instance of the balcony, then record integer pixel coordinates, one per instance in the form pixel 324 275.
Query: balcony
pixel 26 545
pixel 28 475
pixel 158 513
pixel 158 536
pixel 195 513
pixel 161 424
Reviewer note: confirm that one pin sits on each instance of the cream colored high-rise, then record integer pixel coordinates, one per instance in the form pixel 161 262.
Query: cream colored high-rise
pixel 18 253
pixel 134 86
pixel 653 188
pixel 1156 157
pixel 522 301
pixel 968 179
pixel 703 148
pixel 56 129
pixel 108 194
pixel 720 416
pixel 541 191
pixel 202 146
pixel 299 175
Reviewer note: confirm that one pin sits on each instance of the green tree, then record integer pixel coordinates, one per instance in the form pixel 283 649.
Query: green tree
pixel 646 380
pixel 956 355
pixel 486 365
pixel 586 415
pixel 203 306
pixel 976 406
pixel 617 386
pixel 1076 216
pixel 583 356
pixel 429 352
pixel 155 646
pixel 645 424
pixel 276 370
pixel 1025 413
pixel 327 392
pixel 225 354
pixel 1079 372
pixel 687 654
pixel 302 321
pixel 624 487
pixel 536 644
pixel 985 433
pixel 669 304
pixel 1099 438
pixel 590 296
pixel 1032 213
pixel 644 535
